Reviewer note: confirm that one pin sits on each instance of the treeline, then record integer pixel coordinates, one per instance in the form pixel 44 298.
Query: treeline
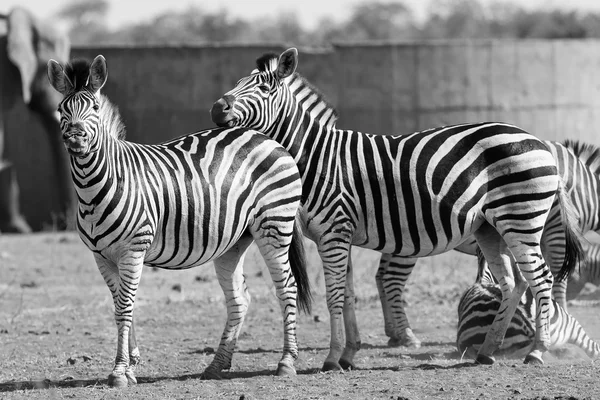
pixel 382 21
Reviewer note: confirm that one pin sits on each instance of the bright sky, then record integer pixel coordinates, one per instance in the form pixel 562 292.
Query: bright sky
pixel 309 11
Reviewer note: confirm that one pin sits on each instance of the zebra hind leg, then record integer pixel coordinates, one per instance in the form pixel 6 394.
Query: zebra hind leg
pixel 287 268
pixel 229 269
pixel 511 284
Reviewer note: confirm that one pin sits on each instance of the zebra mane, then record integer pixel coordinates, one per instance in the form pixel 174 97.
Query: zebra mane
pixel 110 117
pixel 588 153
pixel 268 63
pixel 78 72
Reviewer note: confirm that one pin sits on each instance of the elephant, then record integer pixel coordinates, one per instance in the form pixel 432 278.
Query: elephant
pixel 25 49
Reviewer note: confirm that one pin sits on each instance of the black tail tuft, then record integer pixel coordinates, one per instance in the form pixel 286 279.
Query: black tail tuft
pixel 573 237
pixel 298 265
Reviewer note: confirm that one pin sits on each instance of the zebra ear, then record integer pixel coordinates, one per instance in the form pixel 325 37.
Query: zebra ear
pixel 288 61
pixel 58 79
pixel 98 74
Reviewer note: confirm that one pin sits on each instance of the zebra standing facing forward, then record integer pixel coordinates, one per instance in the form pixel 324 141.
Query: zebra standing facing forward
pixel 411 196
pixel 202 197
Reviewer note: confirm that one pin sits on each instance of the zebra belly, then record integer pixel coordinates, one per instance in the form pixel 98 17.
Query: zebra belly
pixel 419 244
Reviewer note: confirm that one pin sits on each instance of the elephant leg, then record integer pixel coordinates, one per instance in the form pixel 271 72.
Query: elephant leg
pixel 11 219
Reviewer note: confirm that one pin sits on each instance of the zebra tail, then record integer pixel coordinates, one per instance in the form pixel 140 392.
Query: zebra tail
pixel 298 264
pixel 573 248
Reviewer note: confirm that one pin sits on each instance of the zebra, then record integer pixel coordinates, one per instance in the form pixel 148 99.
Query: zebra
pixel 588 272
pixel 579 167
pixel 201 197
pixel 478 306
pixel 411 196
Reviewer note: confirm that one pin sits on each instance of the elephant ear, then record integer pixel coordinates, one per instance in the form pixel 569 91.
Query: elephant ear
pixel 20 48
pixel 98 74
pixel 31 43
pixel 58 79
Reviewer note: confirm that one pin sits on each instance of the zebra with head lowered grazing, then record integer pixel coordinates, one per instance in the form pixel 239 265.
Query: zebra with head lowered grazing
pixel 198 198
pixel 480 302
pixel 409 196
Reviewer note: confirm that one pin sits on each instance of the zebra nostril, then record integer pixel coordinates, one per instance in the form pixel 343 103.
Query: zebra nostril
pixel 220 110
pixel 223 105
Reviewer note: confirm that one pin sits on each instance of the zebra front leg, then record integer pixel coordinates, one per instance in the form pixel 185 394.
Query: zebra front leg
pixel 334 253
pixel 350 325
pixel 394 280
pixel 229 269
pixel 388 320
pixel 134 356
pixel 123 281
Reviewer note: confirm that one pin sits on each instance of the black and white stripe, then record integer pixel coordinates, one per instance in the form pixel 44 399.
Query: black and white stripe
pixel 479 304
pixel 410 196
pixel 578 164
pixel 198 198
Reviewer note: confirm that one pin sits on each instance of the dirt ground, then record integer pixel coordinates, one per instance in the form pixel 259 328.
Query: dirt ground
pixel 58 337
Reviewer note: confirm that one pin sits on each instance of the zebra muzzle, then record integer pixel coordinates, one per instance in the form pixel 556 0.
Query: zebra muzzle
pixel 221 112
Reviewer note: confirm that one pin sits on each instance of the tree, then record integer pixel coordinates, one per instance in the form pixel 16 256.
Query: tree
pixel 378 21
pixel 86 19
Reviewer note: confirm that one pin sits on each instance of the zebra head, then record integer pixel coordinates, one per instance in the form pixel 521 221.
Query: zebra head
pixel 255 101
pixel 79 83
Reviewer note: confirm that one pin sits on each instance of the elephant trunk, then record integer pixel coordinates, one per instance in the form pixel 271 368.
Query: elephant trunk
pixel 66 193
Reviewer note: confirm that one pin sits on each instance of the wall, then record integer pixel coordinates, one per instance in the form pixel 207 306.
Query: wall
pixel 551 88
pixel 547 87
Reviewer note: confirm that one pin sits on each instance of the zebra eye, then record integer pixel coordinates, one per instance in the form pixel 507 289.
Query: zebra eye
pixel 264 88
pixel 96 107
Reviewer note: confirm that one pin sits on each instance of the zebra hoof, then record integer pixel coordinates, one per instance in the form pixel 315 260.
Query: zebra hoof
pixel 285 370
pixel 131 379
pixel 117 381
pixel 411 343
pixel 331 366
pixel 347 365
pixel 533 360
pixel 484 360
pixel 210 374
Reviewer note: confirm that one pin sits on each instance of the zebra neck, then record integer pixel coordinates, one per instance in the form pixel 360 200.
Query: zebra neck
pixel 96 178
pixel 303 123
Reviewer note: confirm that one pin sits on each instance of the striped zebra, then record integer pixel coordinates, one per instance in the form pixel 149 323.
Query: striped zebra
pixel 578 165
pixel 478 306
pixel 198 198
pixel 588 272
pixel 411 196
